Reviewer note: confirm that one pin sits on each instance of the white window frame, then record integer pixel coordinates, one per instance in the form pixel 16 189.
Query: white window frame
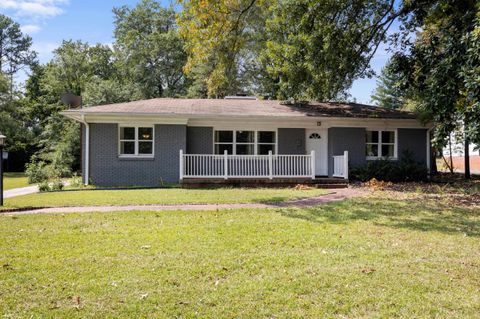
pixel 255 143
pixel 136 141
pixel 380 143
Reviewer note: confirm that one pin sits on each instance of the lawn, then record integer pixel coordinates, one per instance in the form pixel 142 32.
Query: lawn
pixel 160 196
pixel 393 254
pixel 14 180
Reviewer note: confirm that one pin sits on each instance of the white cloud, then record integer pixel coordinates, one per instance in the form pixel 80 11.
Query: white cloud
pixel 34 8
pixel 45 50
pixel 30 28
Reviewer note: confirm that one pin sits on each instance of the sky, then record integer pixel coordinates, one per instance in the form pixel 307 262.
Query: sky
pixel 49 22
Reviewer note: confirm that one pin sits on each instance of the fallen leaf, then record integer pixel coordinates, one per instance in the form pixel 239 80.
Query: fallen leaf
pixel 368 271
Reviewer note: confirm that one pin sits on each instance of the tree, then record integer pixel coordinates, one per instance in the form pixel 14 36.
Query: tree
pixel 435 65
pixel 15 49
pixel 149 49
pixel 77 68
pixel 390 91
pixel 306 49
pixel 223 40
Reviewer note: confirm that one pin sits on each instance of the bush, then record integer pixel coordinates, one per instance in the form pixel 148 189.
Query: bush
pixel 37 172
pixel 405 170
pixel 44 186
pixel 76 181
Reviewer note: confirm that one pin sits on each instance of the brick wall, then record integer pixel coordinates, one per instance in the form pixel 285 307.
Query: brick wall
pixel 107 169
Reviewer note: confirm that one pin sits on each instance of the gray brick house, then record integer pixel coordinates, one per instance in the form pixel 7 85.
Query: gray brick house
pixel 149 142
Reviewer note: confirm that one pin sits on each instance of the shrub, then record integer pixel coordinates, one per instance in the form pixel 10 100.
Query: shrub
pixel 37 172
pixel 44 186
pixel 405 170
pixel 76 181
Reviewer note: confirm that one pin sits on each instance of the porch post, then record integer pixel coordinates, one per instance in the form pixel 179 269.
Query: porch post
pixel 345 164
pixel 225 164
pixel 181 165
pixel 312 163
pixel 270 165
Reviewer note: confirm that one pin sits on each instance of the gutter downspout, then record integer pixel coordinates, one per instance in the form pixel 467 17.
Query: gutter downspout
pixel 87 150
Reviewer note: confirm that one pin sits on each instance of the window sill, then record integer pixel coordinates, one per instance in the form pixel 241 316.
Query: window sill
pixel 136 158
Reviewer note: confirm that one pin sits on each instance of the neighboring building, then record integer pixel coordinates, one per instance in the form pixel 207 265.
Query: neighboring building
pixel 145 143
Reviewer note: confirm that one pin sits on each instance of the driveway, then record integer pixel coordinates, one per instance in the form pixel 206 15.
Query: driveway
pixel 20 191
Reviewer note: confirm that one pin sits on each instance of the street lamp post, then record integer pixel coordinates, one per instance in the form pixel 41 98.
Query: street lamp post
pixel 2 144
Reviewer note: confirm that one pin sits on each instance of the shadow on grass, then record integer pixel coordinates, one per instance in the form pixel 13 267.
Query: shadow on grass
pixel 415 215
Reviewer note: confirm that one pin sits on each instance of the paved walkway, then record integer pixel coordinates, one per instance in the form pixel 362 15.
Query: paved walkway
pixel 20 191
pixel 25 190
pixel 335 195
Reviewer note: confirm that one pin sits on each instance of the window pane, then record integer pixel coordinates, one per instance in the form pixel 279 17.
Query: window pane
pixel 264 148
pixel 372 136
pixel 266 137
pixel 372 150
pixel 127 147
pixel 388 137
pixel 145 133
pixel 244 149
pixel 387 150
pixel 127 133
pixel 220 148
pixel 245 137
pixel 224 136
pixel 145 148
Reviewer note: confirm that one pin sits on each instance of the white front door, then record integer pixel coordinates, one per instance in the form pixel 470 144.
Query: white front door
pixel 317 140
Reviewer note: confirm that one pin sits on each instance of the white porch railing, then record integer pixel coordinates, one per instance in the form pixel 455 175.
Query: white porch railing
pixel 246 166
pixel 340 165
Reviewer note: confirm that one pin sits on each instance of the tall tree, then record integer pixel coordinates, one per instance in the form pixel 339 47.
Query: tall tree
pixel 436 63
pixel 390 91
pixel 150 49
pixel 305 49
pixel 223 42
pixel 15 49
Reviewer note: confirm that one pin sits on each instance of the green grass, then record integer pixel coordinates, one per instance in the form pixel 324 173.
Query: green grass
pixel 14 180
pixel 160 196
pixel 377 257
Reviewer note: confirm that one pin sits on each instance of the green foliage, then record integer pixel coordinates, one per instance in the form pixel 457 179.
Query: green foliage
pixel 50 186
pixel 223 40
pixel 15 47
pixel 404 170
pixel 390 91
pixel 289 49
pixel 36 171
pixel 470 74
pixel 434 66
pixel 44 186
pixel 149 49
pixel 99 92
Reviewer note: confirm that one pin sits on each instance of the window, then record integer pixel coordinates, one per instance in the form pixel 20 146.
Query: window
pixel 245 142
pixel 265 142
pixel 136 141
pixel 223 142
pixel 314 136
pixel 380 144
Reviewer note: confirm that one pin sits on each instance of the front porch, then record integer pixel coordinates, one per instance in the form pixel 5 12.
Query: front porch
pixel 208 170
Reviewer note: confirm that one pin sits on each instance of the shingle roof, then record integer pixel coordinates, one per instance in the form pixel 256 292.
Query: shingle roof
pixel 245 107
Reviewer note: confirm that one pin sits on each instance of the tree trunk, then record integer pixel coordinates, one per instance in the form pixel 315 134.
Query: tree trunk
pixel 467 158
pixel 450 157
